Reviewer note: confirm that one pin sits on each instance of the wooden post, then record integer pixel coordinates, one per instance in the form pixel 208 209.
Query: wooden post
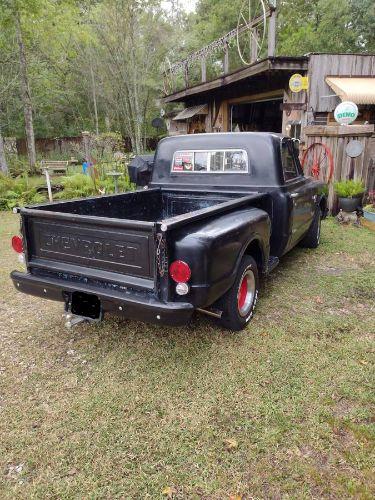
pixel 48 182
pixel 226 59
pixel 203 70
pixel 254 44
pixel 86 146
pixel 272 33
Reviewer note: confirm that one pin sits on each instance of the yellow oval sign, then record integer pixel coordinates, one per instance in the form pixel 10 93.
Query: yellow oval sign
pixel 296 82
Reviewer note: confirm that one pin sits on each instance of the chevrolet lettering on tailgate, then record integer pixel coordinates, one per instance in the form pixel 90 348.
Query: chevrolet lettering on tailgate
pixel 89 247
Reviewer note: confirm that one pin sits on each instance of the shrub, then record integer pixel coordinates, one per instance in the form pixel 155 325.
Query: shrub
pixel 17 192
pixel 349 189
pixel 18 165
pixel 76 186
pixel 23 190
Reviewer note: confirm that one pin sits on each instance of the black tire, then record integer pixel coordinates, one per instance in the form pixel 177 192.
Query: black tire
pixel 233 318
pixel 312 237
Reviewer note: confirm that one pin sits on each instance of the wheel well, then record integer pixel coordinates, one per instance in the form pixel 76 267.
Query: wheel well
pixel 255 251
pixel 323 206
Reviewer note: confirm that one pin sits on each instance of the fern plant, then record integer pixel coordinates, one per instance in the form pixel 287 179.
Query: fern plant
pixel 349 189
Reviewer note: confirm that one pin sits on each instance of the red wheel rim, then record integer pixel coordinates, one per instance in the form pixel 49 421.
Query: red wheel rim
pixel 242 294
pixel 246 293
pixel 317 161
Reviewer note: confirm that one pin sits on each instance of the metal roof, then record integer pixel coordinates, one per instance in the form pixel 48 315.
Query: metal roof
pixel 186 113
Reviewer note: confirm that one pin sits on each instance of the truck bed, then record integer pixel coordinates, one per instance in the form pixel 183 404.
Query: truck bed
pixel 152 205
pixel 110 240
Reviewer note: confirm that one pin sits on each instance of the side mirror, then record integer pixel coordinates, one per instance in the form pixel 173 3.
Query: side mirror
pixel 296 144
pixel 140 169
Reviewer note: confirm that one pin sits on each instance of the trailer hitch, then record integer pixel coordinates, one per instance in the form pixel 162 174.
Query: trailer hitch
pixel 73 320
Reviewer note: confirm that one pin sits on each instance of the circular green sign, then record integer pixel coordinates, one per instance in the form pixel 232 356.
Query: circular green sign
pixel 346 112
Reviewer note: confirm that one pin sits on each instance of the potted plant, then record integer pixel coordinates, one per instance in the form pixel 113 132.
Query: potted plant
pixel 350 194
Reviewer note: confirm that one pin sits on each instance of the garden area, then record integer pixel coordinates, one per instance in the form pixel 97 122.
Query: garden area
pixel 283 409
pixel 98 175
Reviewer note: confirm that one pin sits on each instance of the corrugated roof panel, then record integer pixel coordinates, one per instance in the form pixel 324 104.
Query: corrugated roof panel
pixel 186 113
pixel 359 90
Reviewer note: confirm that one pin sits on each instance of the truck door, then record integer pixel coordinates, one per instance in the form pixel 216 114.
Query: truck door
pixel 298 193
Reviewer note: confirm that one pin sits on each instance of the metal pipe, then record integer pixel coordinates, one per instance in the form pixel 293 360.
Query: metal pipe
pixel 214 314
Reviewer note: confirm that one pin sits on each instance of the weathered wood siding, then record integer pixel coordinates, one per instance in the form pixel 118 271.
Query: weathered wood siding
pixel 336 139
pixel 322 65
pixel 295 115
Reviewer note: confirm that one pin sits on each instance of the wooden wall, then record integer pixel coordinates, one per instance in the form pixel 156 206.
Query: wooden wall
pixel 322 65
pixel 336 139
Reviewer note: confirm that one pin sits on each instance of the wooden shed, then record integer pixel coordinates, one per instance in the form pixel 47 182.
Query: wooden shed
pixel 262 97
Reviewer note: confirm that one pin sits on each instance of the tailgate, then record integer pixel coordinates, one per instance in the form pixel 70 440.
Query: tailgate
pixel 110 250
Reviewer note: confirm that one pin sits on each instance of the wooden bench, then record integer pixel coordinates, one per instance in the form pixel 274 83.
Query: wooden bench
pixel 54 167
pixel 50 167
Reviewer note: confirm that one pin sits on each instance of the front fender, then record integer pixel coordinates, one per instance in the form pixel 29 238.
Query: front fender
pixel 214 248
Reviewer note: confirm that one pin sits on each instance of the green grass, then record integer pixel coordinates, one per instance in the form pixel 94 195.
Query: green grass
pixel 125 409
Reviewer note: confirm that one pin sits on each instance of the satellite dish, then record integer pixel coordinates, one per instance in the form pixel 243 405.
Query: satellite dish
pixel 251 30
pixel 158 123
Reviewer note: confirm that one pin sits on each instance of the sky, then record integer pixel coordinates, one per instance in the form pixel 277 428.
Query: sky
pixel 188 5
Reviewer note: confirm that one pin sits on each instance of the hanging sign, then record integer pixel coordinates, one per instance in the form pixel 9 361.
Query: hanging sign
pixel 298 82
pixel 354 148
pixel 346 112
pixel 305 83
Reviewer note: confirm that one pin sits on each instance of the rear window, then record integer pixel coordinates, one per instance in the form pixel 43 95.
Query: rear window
pixel 223 161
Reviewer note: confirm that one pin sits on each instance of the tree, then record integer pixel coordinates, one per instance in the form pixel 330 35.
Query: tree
pixel 132 38
pixel 25 92
pixel 303 25
pixel 3 161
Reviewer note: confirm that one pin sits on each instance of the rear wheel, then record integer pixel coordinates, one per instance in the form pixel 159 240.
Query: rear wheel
pixel 238 303
pixel 312 237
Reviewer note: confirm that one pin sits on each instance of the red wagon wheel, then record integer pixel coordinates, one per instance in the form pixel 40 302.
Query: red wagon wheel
pixel 317 161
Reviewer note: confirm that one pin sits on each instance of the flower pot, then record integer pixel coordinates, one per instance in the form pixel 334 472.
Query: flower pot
pixel 350 204
pixel 369 215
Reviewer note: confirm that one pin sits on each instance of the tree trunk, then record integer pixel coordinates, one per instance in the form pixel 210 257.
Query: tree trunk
pixel 26 96
pixel 3 161
pixel 93 88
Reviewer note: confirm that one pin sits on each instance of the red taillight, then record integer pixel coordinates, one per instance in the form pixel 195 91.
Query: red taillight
pixel 17 244
pixel 180 271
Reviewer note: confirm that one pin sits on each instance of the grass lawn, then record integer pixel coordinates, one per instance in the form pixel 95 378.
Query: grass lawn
pixel 125 409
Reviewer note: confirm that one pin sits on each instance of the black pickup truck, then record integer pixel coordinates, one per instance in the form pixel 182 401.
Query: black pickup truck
pixel 216 211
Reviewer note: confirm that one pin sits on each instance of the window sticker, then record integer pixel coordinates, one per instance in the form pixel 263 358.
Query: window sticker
pixel 214 161
pixel 201 161
pixel 183 161
pixel 217 161
pixel 235 161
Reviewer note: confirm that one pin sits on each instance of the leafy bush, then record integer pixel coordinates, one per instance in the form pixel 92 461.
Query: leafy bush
pixel 77 186
pixel 18 165
pixel 17 192
pixel 349 189
pixel 23 190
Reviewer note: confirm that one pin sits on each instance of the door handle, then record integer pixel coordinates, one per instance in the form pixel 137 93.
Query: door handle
pixel 294 195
